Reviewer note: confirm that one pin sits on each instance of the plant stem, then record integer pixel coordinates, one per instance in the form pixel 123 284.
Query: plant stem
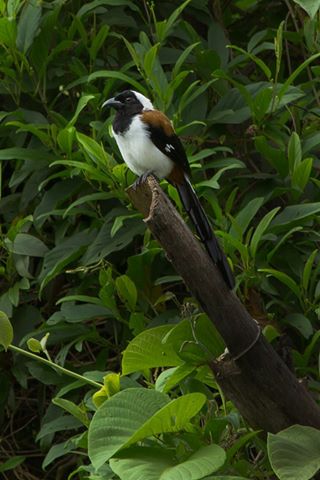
pixel 55 366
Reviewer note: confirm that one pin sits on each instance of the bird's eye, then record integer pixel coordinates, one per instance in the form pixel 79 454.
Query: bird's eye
pixel 129 99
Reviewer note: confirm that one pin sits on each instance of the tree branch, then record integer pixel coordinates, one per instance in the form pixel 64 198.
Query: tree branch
pixel 264 390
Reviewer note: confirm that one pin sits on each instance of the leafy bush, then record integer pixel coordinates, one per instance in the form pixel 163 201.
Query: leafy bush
pixel 81 278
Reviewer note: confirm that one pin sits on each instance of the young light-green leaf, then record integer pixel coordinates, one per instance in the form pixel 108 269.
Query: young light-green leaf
pixel 6 330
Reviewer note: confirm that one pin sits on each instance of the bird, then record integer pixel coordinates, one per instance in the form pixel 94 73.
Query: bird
pixel 149 145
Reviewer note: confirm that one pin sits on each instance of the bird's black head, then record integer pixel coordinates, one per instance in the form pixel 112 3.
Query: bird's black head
pixel 129 102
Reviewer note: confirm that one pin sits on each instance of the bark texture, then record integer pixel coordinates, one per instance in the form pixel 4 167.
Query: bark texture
pixel 259 383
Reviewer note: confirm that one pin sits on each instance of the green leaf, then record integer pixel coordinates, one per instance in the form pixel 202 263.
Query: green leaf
pixel 307 270
pixel 147 350
pixel 260 230
pixel 111 383
pixel 73 409
pixel 169 378
pixel 283 278
pixel 244 217
pixel 301 323
pixel 6 331
pixel 163 28
pixel 294 152
pixel 158 464
pixel 34 345
pixel 60 424
pixel 294 453
pixel 92 197
pixel 171 418
pixel 195 340
pixel 294 214
pixel 99 397
pixel 310 6
pixel 301 174
pixel 116 75
pixel 119 220
pixel 16 153
pixel 150 58
pixel 8 32
pixel 260 63
pixel 297 72
pixel 278 47
pixel 261 103
pixel 57 451
pixel 182 59
pixel 12 463
pixel 65 139
pixel 83 102
pixel 275 156
pixel 95 151
pixel 127 291
pixel 26 244
pixel 63 254
pixel 142 463
pixel 98 41
pixel 28 24
pixel 118 419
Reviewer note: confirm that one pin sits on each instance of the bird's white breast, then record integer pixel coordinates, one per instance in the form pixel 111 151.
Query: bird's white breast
pixel 140 153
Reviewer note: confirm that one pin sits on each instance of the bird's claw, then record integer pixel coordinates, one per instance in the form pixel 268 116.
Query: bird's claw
pixel 141 179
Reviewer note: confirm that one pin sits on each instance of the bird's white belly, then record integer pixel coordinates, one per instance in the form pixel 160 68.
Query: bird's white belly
pixel 139 152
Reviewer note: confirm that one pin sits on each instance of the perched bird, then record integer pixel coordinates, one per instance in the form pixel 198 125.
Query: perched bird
pixel 149 145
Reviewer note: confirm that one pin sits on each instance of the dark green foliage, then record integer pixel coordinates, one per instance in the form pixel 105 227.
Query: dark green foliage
pixel 76 260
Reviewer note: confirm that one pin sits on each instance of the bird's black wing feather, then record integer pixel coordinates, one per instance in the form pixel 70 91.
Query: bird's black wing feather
pixel 163 137
pixel 169 145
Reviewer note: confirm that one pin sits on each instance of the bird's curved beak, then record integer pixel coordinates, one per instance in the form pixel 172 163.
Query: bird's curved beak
pixel 112 103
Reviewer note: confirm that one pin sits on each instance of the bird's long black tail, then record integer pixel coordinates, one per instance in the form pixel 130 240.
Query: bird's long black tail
pixel 198 217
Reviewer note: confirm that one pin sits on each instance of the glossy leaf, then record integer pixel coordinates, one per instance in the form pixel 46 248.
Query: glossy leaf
pixel 294 453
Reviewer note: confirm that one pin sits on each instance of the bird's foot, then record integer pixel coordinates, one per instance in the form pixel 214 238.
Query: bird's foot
pixel 141 179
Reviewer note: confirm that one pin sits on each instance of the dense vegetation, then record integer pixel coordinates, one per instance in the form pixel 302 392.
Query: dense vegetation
pixel 82 280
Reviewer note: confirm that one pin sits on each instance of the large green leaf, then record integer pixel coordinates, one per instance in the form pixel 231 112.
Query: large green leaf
pixel 294 453
pixel 171 418
pixel 159 464
pixel 118 419
pixel 147 350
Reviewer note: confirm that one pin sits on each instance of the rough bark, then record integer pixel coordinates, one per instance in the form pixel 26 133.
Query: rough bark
pixel 254 377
